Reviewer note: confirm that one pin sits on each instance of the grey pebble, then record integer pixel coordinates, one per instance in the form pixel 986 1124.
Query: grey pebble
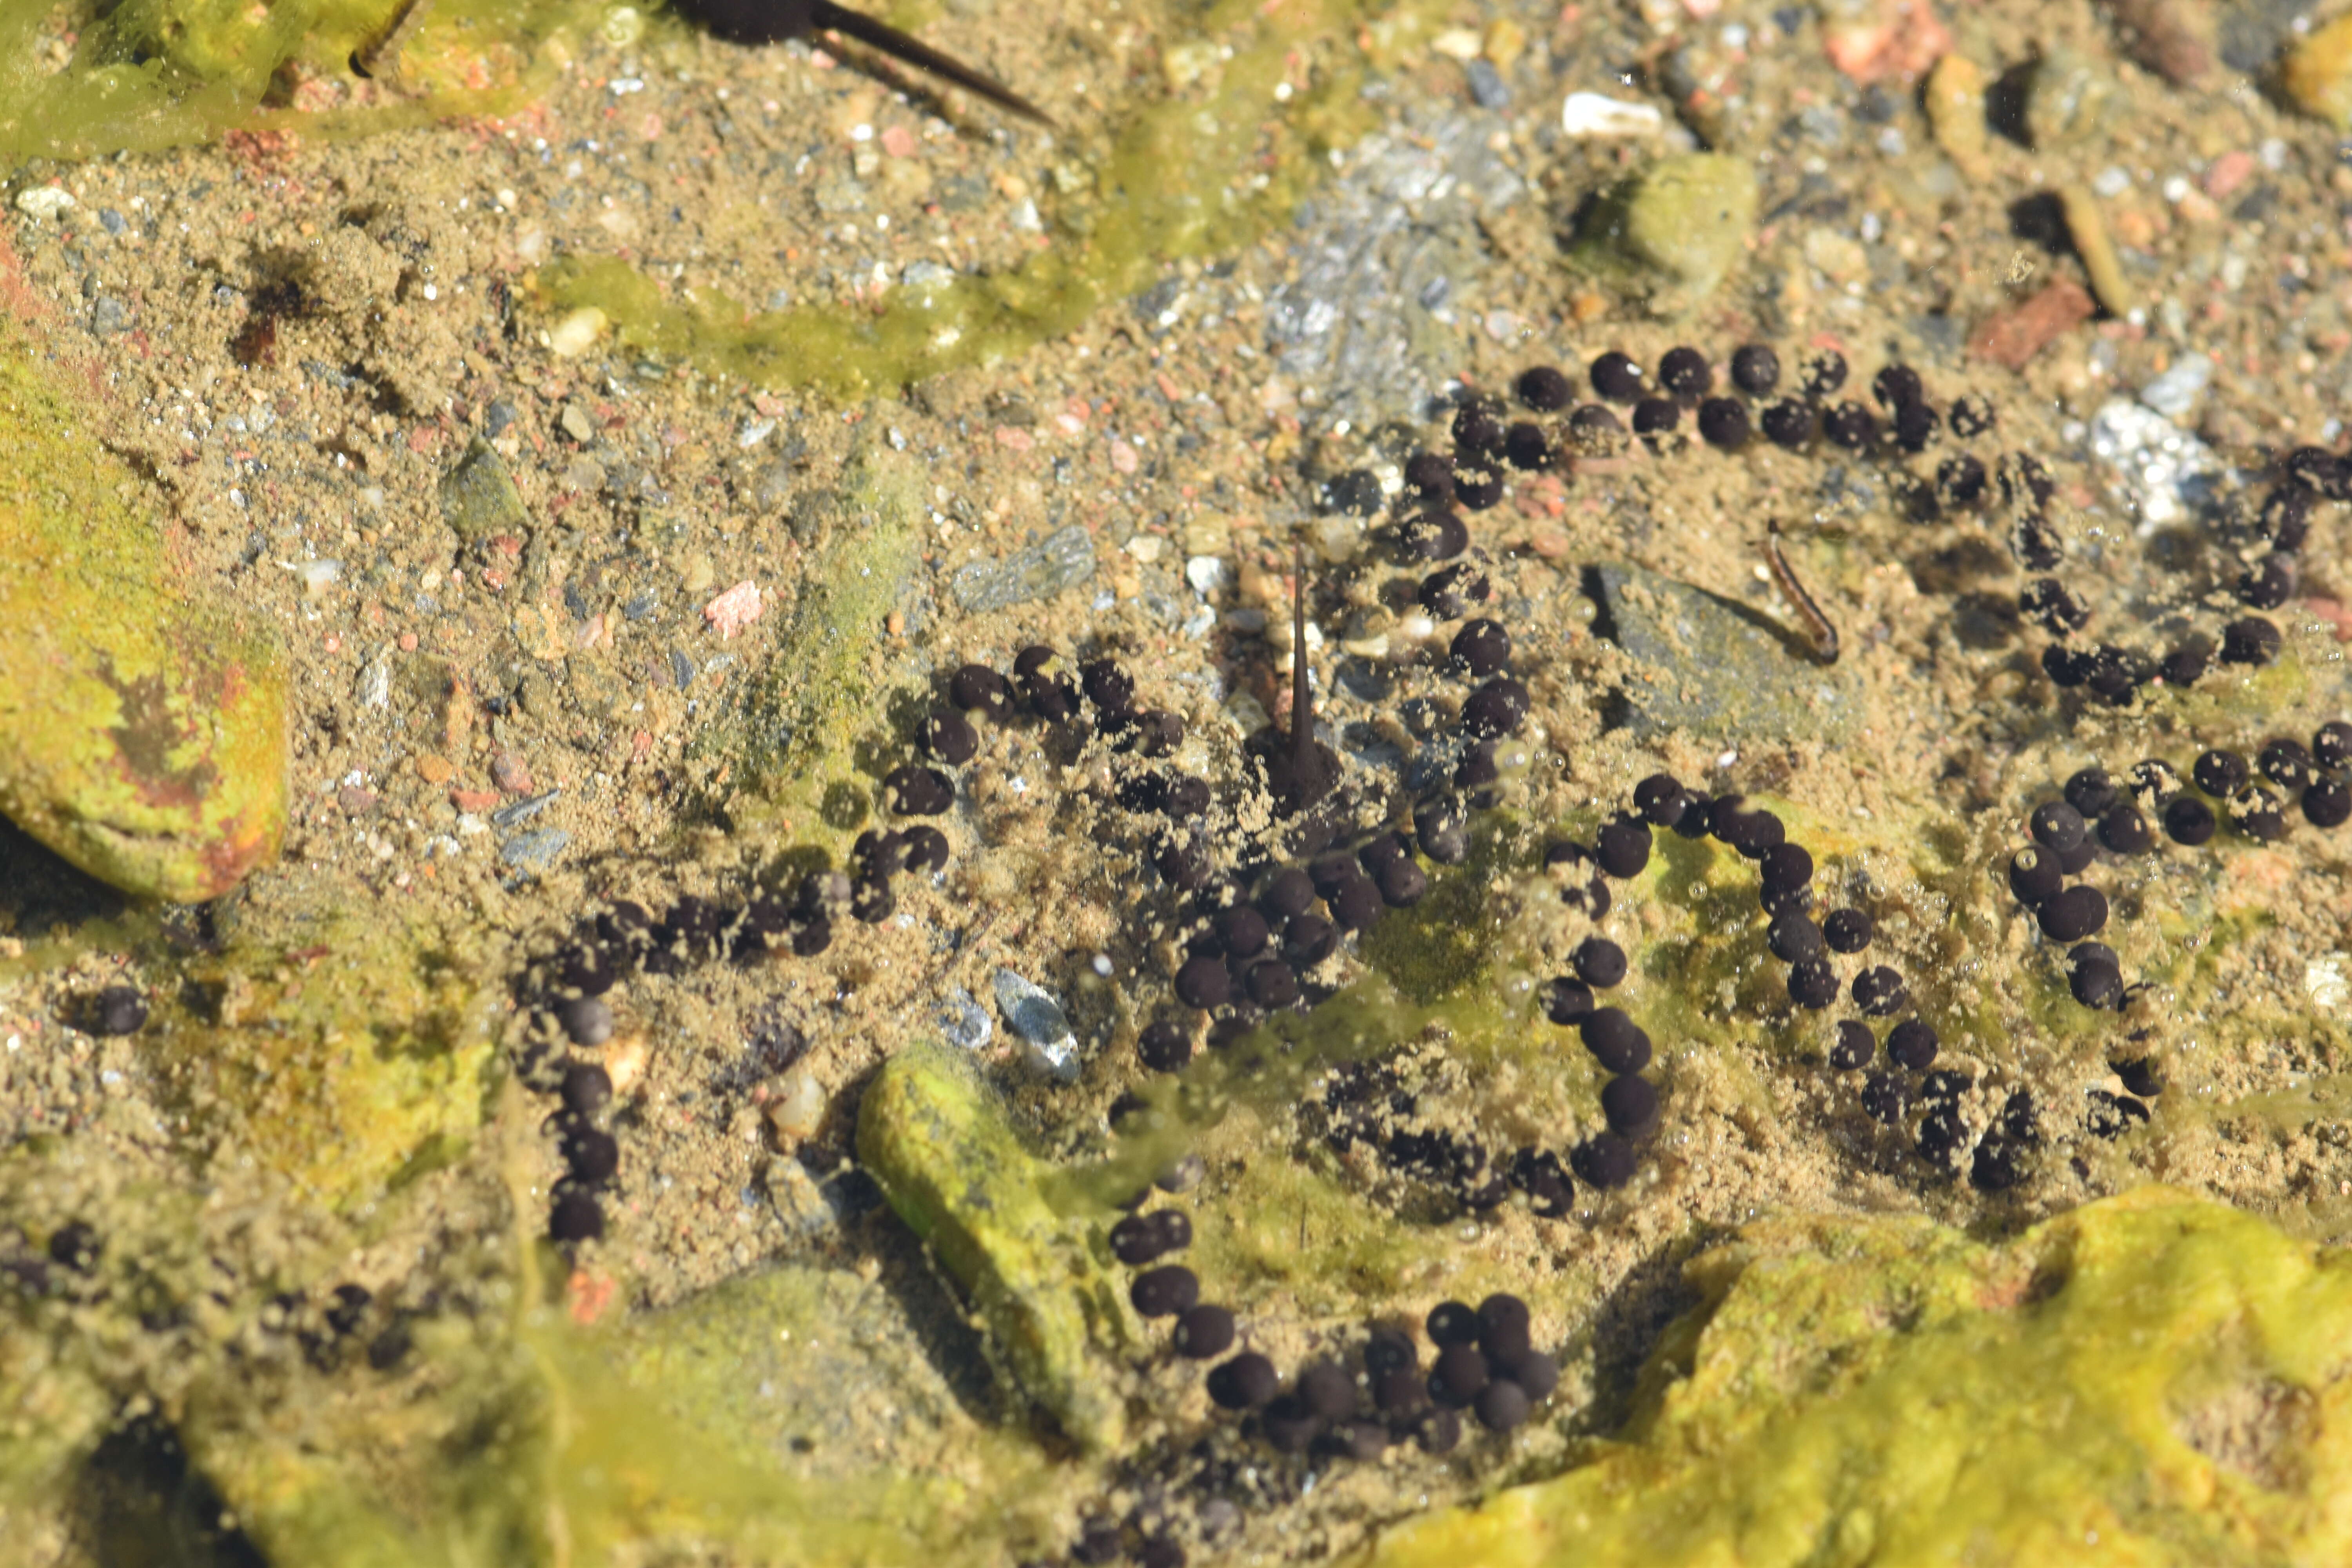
pixel 1033 1013
pixel 478 499
pixel 535 850
pixel 964 1021
pixel 1487 84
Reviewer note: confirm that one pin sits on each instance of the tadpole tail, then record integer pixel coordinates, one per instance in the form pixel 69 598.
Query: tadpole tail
pixel 1302 692
pixel 898 46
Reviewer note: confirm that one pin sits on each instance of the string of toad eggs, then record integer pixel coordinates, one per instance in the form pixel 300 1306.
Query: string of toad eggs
pixel 1234 972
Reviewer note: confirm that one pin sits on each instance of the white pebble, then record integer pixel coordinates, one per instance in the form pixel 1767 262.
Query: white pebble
pixel 44 201
pixel 1591 114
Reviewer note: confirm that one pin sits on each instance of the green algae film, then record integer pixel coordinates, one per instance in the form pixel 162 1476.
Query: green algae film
pixel 1169 190
pixel 151 74
pixel 142 734
pixel 2150 1379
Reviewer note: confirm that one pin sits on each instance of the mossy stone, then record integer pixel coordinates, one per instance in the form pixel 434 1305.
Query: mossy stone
pixel 478 499
pixel 1672 232
pixel 143 730
pixel 2151 1378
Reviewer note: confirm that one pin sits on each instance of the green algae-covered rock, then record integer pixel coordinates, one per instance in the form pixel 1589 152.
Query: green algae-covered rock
pixel 2150 1379
pixel 142 734
pixel 931 1132
pixel 785 748
pixel 1672 231
pixel 1719 669
pixel 350 1066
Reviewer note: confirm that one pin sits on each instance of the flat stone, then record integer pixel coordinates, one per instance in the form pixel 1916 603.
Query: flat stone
pixel 535 850
pixel 938 1140
pixel 1717 669
pixel 1063 559
pixel 1883 1389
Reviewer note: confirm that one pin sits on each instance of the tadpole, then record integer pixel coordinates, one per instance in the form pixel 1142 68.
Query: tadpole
pixel 774 21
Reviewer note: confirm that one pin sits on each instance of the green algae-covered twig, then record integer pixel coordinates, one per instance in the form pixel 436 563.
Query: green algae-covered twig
pixel 930 1132
pixel 1172 188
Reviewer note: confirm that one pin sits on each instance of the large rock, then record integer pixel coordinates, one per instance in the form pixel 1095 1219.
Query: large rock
pixel 142 732
pixel 2154 1378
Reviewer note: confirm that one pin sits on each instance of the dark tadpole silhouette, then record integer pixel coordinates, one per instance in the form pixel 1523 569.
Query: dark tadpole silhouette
pixel 774 21
pixel 1301 771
